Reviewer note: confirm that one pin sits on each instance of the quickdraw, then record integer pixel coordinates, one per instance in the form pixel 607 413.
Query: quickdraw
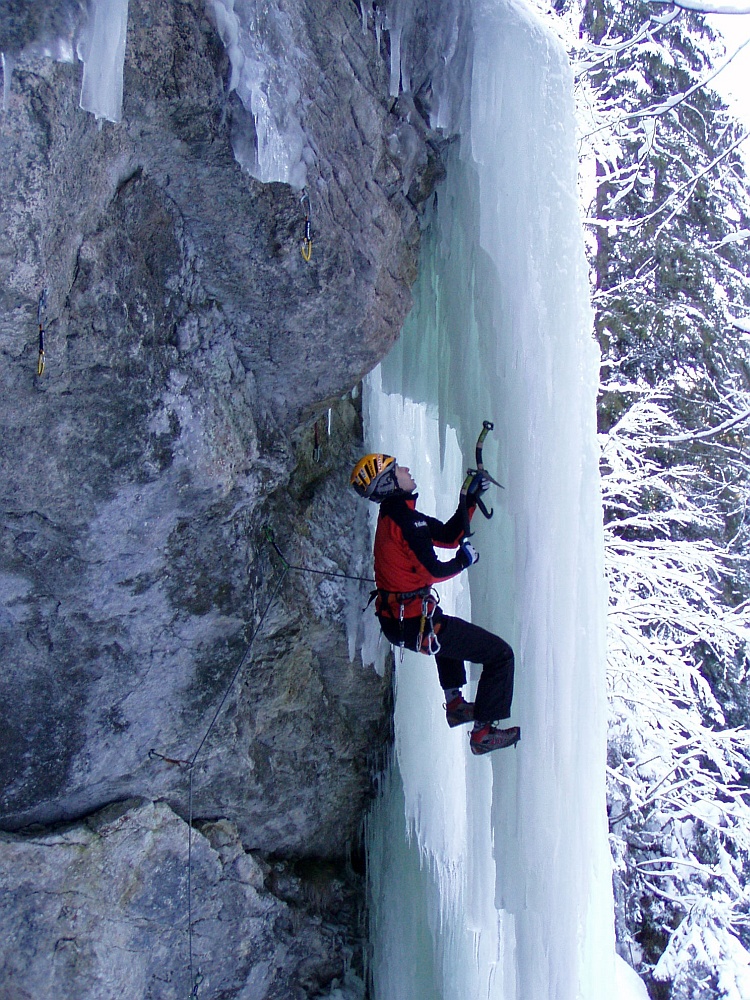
pixel 401 626
pixel 427 640
pixel 40 319
pixel 471 474
pixel 316 443
pixel 307 241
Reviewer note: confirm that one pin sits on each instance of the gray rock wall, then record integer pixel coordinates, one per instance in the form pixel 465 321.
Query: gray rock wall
pixel 101 911
pixel 189 348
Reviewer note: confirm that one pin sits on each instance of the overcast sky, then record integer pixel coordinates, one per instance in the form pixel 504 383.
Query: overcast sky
pixel 734 83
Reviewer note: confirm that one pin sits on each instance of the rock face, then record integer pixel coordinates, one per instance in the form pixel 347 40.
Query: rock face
pixel 189 350
pixel 101 911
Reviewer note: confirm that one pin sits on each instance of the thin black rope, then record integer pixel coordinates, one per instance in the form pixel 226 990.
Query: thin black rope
pixel 310 569
pixel 197 978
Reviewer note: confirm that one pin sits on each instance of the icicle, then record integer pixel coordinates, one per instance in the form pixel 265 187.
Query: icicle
pixel 102 52
pixel 365 9
pixel 267 67
pixel 7 63
pixel 396 20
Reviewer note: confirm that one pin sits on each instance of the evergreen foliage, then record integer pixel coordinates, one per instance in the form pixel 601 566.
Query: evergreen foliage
pixel 669 213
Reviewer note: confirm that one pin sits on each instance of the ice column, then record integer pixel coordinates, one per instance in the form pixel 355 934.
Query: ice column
pixel 504 858
pixel 102 51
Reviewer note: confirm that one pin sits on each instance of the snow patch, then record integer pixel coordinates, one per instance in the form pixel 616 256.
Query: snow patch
pixel 630 986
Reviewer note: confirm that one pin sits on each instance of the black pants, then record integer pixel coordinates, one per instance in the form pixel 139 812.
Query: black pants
pixel 459 641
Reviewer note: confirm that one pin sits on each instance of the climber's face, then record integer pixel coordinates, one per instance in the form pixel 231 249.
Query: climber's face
pixel 404 479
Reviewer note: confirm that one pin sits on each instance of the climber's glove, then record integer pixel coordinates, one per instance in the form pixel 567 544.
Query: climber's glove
pixel 468 553
pixel 479 484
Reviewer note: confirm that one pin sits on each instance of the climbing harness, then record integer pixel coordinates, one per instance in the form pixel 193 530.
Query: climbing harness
pixel 307 241
pixel 471 474
pixel 40 319
pixel 427 640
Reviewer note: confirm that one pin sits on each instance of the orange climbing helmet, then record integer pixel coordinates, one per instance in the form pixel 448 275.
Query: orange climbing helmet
pixel 374 476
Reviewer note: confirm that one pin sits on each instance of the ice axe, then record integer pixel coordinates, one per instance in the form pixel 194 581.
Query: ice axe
pixel 471 474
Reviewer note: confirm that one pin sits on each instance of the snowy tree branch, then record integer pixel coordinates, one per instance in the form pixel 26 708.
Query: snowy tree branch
pixel 711 432
pixel 689 185
pixel 655 110
pixel 703 7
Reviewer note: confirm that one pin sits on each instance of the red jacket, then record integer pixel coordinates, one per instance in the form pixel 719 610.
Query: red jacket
pixel 405 558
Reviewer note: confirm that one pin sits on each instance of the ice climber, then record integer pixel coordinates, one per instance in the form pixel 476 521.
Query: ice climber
pixel 406 567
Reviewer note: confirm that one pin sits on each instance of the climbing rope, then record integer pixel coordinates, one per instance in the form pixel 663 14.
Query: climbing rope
pixel 311 569
pixel 307 241
pixel 40 319
pixel 196 976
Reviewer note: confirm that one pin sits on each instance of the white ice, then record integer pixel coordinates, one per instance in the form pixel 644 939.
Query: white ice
pixel 7 66
pixel 491 877
pixel 101 49
pixel 267 70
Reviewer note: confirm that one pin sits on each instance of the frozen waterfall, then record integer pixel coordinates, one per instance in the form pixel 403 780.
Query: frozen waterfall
pixel 490 876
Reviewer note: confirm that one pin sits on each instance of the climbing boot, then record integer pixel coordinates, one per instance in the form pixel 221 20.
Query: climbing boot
pixel 489 738
pixel 458 711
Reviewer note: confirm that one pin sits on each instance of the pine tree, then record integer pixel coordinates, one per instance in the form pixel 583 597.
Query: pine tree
pixel 669 210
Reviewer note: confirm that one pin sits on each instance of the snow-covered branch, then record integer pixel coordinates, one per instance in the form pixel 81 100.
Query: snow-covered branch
pixel 672 102
pixel 687 187
pixel 705 7
pixel 709 432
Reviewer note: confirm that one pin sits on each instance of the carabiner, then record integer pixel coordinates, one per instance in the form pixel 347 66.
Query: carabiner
pixel 307 241
pixel 40 319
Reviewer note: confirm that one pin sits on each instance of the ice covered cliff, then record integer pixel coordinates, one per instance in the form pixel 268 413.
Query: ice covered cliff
pixel 506 858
